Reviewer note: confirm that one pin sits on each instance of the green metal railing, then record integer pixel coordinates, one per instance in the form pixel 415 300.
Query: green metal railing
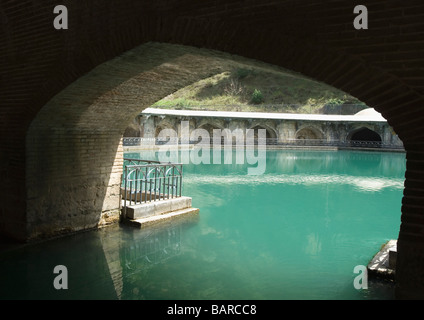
pixel 145 181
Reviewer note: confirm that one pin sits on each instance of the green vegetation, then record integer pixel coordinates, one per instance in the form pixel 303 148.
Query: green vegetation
pixel 257 97
pixel 257 89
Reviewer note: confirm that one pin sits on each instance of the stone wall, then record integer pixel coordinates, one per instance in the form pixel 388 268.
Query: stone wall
pixel 281 130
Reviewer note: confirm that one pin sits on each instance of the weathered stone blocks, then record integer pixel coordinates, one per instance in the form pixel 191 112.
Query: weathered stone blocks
pixel 152 208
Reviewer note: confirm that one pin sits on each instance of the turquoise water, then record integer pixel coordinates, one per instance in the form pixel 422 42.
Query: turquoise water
pixel 295 232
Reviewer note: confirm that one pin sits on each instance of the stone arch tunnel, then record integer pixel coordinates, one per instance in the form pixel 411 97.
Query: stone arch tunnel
pixel 364 134
pixel 68 95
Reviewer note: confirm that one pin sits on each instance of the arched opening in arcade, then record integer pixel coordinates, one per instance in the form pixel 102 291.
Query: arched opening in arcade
pixel 308 136
pixel 309 133
pixel 263 132
pixel 210 130
pixel 86 125
pixel 365 137
pixel 165 132
pixel 83 209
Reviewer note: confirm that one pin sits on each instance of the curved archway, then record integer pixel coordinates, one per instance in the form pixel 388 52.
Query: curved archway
pixel 364 137
pixel 164 133
pixel 270 134
pixel 365 134
pixel 68 134
pixel 151 67
pixel 163 125
pixel 209 127
pixel 309 133
pixel 319 45
pixel 81 144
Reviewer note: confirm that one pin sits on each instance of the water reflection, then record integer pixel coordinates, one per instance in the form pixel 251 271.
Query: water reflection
pixel 131 254
pixel 314 245
pixel 350 163
pixel 102 264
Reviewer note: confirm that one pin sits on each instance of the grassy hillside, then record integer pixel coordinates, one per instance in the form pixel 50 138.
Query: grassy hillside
pixel 252 88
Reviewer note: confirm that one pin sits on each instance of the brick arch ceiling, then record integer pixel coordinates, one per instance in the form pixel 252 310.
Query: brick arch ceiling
pixel 73 151
pixel 383 66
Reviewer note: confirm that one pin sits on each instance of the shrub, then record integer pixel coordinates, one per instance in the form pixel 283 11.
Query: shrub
pixel 333 105
pixel 234 88
pixel 242 73
pixel 257 96
pixel 334 102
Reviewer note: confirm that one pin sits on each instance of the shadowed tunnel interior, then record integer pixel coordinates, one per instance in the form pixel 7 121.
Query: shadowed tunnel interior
pixel 66 94
pixel 365 134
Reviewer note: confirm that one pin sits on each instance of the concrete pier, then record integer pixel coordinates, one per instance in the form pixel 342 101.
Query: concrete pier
pixel 152 212
pixel 383 264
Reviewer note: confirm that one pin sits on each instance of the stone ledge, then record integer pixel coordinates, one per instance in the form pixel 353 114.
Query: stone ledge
pixel 383 264
pixel 153 220
pixel 153 208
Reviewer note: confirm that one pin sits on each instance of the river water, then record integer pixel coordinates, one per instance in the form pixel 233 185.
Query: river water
pixel 295 231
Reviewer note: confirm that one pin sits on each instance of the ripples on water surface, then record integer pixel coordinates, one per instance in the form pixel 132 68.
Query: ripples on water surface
pixel 295 232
